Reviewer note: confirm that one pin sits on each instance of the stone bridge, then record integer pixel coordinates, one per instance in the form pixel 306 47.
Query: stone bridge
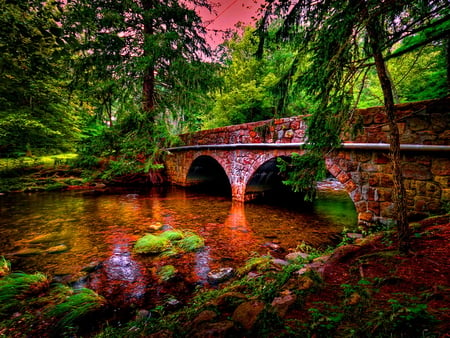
pixel 246 155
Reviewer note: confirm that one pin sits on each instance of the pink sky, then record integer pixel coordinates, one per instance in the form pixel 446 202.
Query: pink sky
pixel 227 14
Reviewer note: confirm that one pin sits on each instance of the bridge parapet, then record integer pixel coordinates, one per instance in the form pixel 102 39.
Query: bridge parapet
pixel 420 123
pixel 283 130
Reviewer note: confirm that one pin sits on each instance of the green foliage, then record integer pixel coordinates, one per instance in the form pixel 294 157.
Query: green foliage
pixel 403 319
pixel 302 172
pixel 35 113
pixel 251 86
pixel 259 263
pixel 173 235
pixel 325 322
pixel 76 308
pixel 138 66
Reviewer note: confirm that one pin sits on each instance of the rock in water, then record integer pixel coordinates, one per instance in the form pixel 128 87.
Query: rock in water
pixel 220 275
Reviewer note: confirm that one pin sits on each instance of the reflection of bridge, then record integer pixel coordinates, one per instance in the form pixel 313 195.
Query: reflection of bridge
pixel 246 154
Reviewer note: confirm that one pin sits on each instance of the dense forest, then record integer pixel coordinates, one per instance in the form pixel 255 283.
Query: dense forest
pixel 118 79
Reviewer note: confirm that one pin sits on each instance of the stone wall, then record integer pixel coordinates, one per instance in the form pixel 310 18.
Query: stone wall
pixel 425 122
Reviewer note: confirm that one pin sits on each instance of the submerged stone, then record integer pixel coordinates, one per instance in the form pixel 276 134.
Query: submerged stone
pixel 57 249
pixel 220 275
pixel 28 252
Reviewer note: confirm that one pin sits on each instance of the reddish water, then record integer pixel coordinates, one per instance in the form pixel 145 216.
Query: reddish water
pixel 99 230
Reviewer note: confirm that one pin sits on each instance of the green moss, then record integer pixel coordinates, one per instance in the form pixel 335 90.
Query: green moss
pixel 76 307
pixel 191 242
pixel 172 235
pixel 255 263
pixel 151 244
pixel 167 272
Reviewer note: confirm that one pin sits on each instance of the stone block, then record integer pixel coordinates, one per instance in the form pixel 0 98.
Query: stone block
pixel 379 118
pixel 380 158
pixel 295 125
pixel 343 177
pixel 374 207
pixel 416 124
pixel 365 216
pixel 361 206
pixel 289 134
pixel 416 171
pixel 334 170
pixel 369 167
pixel 374 179
pixel 356 195
pixel 387 209
pixel 386 180
pixel 350 186
pixel 384 194
pixel 441 166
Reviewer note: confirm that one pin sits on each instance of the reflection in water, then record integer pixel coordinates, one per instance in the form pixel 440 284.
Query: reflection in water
pixel 202 264
pixel 120 277
pixel 101 230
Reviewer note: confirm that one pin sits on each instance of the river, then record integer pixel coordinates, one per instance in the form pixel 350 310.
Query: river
pixel 86 237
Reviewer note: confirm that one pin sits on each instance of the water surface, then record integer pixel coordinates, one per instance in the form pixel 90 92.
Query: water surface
pixel 63 234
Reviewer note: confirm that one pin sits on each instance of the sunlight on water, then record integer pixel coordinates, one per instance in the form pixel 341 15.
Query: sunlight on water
pixel 62 234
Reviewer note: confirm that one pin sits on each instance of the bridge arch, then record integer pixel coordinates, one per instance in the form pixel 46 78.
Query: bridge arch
pixel 207 172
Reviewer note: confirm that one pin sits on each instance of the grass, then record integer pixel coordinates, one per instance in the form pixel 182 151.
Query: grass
pixel 16 287
pixel 76 307
pixel 47 161
pixel 44 173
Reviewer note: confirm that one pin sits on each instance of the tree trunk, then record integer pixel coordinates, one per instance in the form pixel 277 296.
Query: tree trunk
pixel 149 72
pixel 448 63
pixel 399 193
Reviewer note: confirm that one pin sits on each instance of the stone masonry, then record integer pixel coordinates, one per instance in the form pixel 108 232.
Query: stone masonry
pixel 364 169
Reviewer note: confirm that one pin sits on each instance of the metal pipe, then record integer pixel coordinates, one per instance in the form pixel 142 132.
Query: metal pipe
pixel 361 146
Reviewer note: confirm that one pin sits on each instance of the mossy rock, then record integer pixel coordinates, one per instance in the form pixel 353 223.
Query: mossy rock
pixel 167 272
pixel 151 244
pixel 259 264
pixel 172 235
pixel 191 242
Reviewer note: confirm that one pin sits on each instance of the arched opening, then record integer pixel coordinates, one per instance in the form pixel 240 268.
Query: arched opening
pixel 334 203
pixel 206 175
pixel 266 185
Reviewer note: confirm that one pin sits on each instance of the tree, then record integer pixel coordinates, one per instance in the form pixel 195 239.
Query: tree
pixel 35 113
pixel 250 90
pixel 342 38
pixel 156 45
pixel 140 64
